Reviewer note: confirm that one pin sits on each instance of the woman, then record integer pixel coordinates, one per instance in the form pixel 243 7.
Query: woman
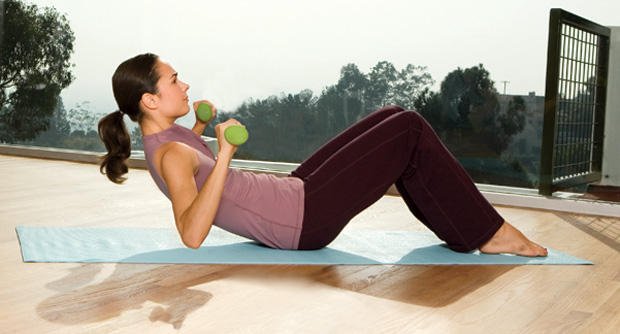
pixel 310 207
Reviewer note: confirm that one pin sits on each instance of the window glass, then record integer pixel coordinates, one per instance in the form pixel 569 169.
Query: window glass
pixel 294 72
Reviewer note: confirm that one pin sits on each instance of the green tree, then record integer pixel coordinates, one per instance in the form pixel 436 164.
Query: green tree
pixel 411 82
pixel 467 115
pixel 282 128
pixel 429 105
pixel 356 94
pixel 464 91
pixel 387 85
pixel 508 123
pixel 343 103
pixel 469 111
pixel 350 89
pixel 81 118
pixel 58 130
pixel 291 126
pixel 35 66
pixel 382 78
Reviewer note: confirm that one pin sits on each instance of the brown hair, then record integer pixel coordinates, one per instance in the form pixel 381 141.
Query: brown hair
pixel 132 78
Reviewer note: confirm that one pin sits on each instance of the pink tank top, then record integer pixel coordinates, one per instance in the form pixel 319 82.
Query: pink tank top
pixel 261 207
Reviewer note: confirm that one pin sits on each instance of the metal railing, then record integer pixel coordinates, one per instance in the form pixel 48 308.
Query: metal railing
pixel 576 85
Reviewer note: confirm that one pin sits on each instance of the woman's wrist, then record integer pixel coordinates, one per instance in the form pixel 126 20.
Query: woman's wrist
pixel 199 128
pixel 224 156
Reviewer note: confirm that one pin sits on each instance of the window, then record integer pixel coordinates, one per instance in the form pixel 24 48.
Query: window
pixel 296 73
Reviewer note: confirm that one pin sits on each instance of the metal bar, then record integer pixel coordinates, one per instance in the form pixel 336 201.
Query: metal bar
pixel 601 97
pixel 580 148
pixel 573 94
pixel 582 23
pixel 591 90
pixel 551 100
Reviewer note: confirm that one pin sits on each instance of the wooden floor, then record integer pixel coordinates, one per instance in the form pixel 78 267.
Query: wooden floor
pixel 130 298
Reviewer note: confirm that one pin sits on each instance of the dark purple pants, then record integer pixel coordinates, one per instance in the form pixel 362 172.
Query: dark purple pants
pixel 392 146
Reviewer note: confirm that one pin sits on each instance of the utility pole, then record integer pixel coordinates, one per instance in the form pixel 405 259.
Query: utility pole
pixel 504 82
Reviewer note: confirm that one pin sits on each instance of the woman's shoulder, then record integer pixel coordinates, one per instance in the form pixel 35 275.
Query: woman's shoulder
pixel 177 150
pixel 175 154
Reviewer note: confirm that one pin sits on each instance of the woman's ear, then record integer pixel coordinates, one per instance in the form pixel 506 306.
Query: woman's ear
pixel 149 101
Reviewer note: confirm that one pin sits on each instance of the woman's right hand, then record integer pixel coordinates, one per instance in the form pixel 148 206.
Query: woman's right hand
pixel 225 147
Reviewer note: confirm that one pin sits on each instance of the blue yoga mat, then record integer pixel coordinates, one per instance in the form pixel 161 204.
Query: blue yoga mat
pixel 157 245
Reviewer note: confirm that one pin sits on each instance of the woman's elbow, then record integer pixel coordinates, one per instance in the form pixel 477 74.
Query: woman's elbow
pixel 192 240
pixel 191 243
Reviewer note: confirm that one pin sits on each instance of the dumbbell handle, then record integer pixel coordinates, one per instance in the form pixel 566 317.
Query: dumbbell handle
pixel 234 134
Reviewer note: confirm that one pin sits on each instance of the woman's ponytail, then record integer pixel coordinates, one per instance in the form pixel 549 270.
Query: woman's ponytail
pixel 115 137
pixel 132 78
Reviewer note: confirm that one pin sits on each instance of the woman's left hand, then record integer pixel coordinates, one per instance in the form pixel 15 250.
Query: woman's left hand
pixel 213 111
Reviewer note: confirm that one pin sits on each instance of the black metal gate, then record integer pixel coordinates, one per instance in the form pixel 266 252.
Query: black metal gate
pixel 576 86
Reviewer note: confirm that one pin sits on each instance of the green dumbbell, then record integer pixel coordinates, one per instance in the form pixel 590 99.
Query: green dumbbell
pixel 234 134
pixel 204 112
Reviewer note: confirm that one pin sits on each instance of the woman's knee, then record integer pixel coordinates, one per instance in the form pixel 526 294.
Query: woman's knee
pixel 412 119
pixel 392 109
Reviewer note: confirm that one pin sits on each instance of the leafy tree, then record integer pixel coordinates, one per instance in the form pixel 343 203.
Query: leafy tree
pixel 509 123
pixel 343 103
pixel 34 67
pixel 81 118
pixel 382 78
pixel 283 128
pixel 329 111
pixel 356 94
pixel 463 91
pixel 468 110
pixel 291 126
pixel 466 113
pixel 58 130
pixel 387 85
pixel 429 105
pixel 350 89
pixel 411 82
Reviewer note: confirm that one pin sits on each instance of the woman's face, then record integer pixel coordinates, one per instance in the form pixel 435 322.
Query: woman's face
pixel 172 92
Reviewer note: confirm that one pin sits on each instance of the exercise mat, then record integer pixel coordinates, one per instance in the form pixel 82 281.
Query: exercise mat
pixel 160 245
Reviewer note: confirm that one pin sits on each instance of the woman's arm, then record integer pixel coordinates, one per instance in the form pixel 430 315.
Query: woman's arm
pixel 195 211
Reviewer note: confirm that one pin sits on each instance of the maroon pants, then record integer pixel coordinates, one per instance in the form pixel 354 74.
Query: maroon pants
pixel 392 146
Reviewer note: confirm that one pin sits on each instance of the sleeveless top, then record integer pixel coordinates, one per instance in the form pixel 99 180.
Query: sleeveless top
pixel 261 207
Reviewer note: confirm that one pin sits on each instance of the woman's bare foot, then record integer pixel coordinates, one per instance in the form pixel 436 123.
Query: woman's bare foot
pixel 510 240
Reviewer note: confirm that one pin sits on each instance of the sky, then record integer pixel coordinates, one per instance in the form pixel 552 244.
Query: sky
pixel 229 51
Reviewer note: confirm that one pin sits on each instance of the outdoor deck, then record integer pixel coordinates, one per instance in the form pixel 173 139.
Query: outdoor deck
pixel 137 298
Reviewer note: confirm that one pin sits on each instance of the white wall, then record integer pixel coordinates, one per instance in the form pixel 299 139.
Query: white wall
pixel 611 145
